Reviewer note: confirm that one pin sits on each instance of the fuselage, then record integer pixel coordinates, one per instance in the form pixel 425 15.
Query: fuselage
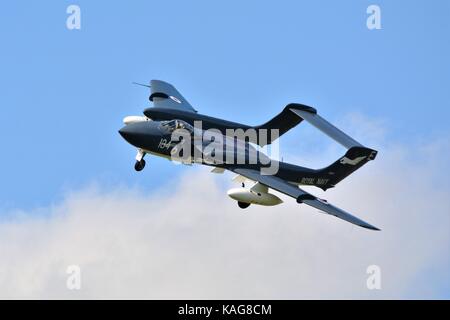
pixel 157 137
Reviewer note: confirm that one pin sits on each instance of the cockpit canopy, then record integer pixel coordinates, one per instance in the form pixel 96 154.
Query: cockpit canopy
pixel 172 125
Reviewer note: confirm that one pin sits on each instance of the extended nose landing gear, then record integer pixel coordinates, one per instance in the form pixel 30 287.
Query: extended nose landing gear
pixel 140 162
pixel 139 165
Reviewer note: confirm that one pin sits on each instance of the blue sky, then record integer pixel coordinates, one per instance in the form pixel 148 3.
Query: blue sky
pixel 65 92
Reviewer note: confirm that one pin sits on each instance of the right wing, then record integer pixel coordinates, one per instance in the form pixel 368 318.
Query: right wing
pixel 301 196
pixel 294 113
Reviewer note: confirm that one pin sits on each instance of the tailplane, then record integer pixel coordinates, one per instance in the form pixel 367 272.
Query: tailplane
pixel 356 156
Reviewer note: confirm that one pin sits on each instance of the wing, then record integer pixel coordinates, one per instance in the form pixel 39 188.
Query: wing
pixel 294 113
pixel 164 95
pixel 301 196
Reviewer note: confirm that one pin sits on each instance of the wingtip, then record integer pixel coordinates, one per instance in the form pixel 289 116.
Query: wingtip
pixel 371 227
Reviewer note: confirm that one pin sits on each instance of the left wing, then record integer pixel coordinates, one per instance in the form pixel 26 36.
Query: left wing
pixel 164 95
pixel 301 196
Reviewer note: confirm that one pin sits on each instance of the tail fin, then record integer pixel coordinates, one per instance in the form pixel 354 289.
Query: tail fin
pixel 353 159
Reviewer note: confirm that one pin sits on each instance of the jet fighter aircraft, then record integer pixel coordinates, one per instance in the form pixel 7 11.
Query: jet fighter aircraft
pixel 173 129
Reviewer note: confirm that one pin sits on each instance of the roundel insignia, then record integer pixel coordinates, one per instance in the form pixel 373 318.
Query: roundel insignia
pixel 175 99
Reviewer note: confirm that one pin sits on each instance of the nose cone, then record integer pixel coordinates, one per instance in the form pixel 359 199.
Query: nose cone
pixel 139 134
pixel 126 132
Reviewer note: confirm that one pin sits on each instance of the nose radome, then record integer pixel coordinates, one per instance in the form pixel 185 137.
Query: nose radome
pixel 132 133
pixel 125 132
pixel 139 134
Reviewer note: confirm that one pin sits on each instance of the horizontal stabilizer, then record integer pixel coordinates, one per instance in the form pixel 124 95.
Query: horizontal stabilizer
pixel 356 156
pixel 323 125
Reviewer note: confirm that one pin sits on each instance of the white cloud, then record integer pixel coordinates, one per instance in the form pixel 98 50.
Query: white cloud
pixel 193 242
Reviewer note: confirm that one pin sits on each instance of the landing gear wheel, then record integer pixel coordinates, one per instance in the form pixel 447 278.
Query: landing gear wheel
pixel 243 205
pixel 139 165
